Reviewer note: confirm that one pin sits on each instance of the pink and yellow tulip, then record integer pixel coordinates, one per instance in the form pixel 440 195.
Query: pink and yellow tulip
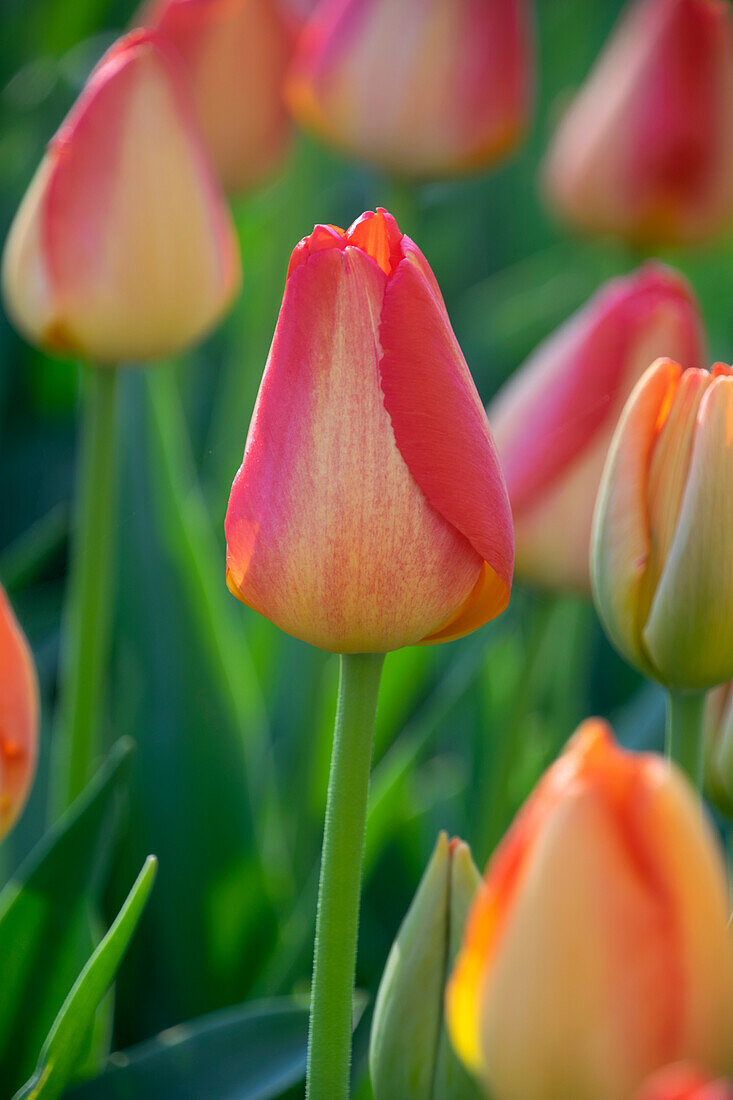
pixel 122 248
pixel 597 949
pixel 18 718
pixel 645 151
pixel 554 420
pixel 663 528
pixel 236 53
pixel 370 510
pixel 718 733
pixel 418 87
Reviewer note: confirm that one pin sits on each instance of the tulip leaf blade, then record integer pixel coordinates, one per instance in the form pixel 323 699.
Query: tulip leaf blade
pixel 63 1047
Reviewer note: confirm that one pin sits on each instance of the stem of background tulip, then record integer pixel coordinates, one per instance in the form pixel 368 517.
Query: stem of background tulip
pixel 403 205
pixel 339 890
pixel 685 733
pixel 85 634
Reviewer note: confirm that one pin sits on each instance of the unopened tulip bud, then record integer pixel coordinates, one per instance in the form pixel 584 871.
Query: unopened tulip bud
pixel 663 528
pixel 554 419
pixel 236 53
pixel 684 1082
pixel 418 87
pixel 370 510
pixel 645 151
pixel 122 248
pixel 18 718
pixel 718 733
pixel 597 949
pixel 410 1057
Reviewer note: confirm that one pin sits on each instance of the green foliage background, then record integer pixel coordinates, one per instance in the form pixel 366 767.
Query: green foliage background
pixel 232 719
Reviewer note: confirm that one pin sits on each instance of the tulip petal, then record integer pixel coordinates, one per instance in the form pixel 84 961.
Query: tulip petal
pixel 427 386
pixel 621 540
pixel 689 631
pixel 368 564
pixel 18 717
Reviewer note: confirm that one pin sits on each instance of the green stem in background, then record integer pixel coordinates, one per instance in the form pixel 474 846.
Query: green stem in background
pixel 339 890
pixel 87 616
pixel 684 740
pixel 402 201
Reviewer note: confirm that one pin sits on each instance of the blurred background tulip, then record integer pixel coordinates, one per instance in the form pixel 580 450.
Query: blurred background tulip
pixel 685 1082
pixel 18 718
pixel 410 1057
pixel 368 411
pixel 417 87
pixel 554 419
pixel 597 949
pixel 645 151
pixel 719 748
pixel 236 53
pixel 122 247
pixel 663 528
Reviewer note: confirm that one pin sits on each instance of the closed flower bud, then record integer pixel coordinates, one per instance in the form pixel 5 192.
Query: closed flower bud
pixel 418 87
pixel 645 151
pixel 597 949
pixel 663 528
pixel 370 510
pixel 410 1057
pixel 718 732
pixel 18 718
pixel 236 53
pixel 554 419
pixel 122 247
pixel 684 1082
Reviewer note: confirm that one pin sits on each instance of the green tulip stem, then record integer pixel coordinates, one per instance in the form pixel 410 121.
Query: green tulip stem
pixel 339 889
pixel 87 612
pixel 685 733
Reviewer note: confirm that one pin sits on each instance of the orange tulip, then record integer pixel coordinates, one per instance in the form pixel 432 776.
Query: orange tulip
pixel 645 151
pixel 663 528
pixel 236 53
pixel 685 1082
pixel 597 949
pixel 122 247
pixel 418 87
pixel 370 511
pixel 554 419
pixel 18 718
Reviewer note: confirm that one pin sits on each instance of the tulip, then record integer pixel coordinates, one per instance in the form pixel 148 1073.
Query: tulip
pixel 418 87
pixel 122 247
pixel 18 718
pixel 685 1082
pixel 370 511
pixel 553 421
pixel 597 949
pixel 236 53
pixel 645 151
pixel 409 1056
pixel 718 724
pixel 663 528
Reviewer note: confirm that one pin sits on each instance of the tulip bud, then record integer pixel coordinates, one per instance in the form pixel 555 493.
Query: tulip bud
pixel 645 151
pixel 554 419
pixel 18 718
pixel 597 949
pixel 235 53
pixel 367 412
pixel 663 528
pixel 418 87
pixel 718 733
pixel 122 247
pixel 684 1082
pixel 409 1055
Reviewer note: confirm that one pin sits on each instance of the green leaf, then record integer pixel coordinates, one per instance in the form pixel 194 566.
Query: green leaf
pixel 253 1052
pixel 45 919
pixel 65 1042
